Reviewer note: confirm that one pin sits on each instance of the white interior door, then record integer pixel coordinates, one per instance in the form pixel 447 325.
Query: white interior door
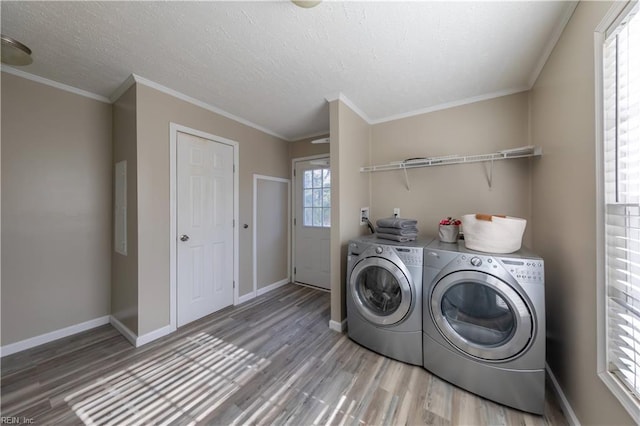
pixel 312 223
pixel 204 227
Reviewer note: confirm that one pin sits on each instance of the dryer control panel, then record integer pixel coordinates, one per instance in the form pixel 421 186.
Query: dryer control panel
pixel 410 256
pixel 525 270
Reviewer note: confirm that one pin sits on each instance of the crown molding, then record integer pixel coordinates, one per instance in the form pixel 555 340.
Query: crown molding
pixel 551 43
pixel 130 81
pixel 55 84
pixel 452 104
pixel 159 87
pixel 341 96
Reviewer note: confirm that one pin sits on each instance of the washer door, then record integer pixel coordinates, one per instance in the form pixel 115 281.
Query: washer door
pixel 380 290
pixel 481 315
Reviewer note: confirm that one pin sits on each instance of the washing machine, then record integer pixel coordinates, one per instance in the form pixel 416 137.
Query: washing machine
pixel 384 296
pixel 484 323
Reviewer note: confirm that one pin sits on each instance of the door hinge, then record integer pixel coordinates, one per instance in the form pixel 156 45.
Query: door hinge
pixel 234 284
pixel 234 223
pixel 294 172
pixel 294 221
pixel 294 271
pixel 234 168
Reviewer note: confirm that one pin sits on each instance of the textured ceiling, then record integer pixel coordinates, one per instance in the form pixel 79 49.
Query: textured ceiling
pixel 274 64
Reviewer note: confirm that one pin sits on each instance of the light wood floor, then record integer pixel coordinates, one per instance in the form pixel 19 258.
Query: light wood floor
pixel 272 360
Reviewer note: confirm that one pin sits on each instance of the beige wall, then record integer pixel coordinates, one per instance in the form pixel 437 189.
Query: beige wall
pixel 304 148
pixel 350 140
pixel 454 190
pixel 259 153
pixel 124 269
pixel 56 209
pixel 562 123
pixel 272 232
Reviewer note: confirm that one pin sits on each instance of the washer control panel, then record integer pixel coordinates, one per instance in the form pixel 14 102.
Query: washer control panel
pixel 409 255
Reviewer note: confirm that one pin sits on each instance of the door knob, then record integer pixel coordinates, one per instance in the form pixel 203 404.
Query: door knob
pixel 184 237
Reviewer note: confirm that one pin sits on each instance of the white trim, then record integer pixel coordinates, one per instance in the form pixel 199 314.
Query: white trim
pixel 174 128
pixel 340 327
pixel 551 43
pixel 51 83
pixel 124 330
pixel 562 399
pixel 154 335
pixel 601 317
pixel 41 339
pixel 452 104
pixel 271 287
pixel 619 391
pixel 245 298
pixel 130 81
pixel 255 228
pixel 292 213
pixel 340 96
pixel 204 105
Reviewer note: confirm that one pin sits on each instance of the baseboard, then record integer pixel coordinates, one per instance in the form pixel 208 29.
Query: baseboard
pixel 564 402
pixel 340 327
pixel 273 286
pixel 32 342
pixel 124 330
pixel 261 291
pixel 154 335
pixel 246 297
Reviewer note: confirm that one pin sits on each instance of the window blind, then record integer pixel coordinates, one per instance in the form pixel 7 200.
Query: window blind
pixel 621 86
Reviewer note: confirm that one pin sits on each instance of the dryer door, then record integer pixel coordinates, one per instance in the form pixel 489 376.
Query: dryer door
pixel 380 290
pixel 481 315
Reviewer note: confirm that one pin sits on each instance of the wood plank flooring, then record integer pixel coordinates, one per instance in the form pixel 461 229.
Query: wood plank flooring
pixel 270 361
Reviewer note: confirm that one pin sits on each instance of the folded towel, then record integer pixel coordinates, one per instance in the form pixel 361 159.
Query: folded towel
pixel 396 222
pixel 408 232
pixel 399 238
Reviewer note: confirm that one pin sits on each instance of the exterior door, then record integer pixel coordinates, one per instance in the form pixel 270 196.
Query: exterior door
pixel 312 221
pixel 380 290
pixel 204 227
pixel 481 315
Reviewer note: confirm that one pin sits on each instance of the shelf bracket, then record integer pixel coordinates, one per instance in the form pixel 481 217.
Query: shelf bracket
pixel 490 174
pixel 406 177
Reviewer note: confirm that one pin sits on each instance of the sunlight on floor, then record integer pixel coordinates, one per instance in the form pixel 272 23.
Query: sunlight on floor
pixel 188 380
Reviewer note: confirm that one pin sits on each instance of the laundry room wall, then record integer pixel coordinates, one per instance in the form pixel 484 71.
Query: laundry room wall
pixel 304 147
pixel 56 209
pixel 564 215
pixel 124 269
pixel 350 136
pixel 453 190
pixel 260 153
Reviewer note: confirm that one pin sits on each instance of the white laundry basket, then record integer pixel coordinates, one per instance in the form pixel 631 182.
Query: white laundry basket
pixel 498 235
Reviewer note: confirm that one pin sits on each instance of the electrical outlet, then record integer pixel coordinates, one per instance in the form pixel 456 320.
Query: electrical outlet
pixel 364 215
pixel 396 212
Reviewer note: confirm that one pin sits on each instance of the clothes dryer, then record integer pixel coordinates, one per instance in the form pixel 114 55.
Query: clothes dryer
pixel 484 323
pixel 384 297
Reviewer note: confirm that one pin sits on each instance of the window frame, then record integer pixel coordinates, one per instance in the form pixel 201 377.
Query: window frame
pixel 312 188
pixel 614 17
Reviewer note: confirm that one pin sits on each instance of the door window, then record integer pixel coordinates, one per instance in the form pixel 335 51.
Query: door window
pixel 316 198
pixel 479 314
pixel 379 290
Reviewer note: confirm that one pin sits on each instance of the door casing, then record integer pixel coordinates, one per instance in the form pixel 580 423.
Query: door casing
pixel 174 128
pixel 294 189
